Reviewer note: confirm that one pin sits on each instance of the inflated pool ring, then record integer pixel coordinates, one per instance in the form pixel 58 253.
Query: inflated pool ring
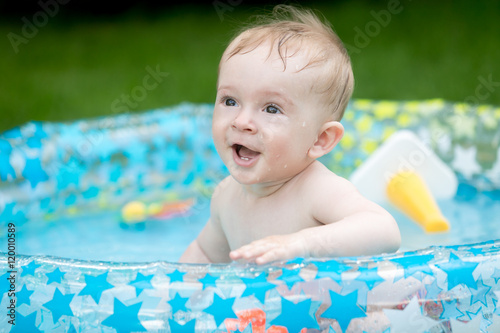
pixel 51 169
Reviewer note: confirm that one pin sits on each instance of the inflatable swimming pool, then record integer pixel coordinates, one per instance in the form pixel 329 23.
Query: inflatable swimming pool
pixel 68 182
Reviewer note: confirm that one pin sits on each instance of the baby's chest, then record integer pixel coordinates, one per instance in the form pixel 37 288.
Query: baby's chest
pixel 244 224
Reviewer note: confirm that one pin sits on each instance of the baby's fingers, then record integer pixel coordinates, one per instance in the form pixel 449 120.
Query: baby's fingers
pixel 273 254
pixel 251 251
pixel 260 254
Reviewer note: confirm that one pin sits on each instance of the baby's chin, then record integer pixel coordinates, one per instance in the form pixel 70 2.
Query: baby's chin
pixel 246 180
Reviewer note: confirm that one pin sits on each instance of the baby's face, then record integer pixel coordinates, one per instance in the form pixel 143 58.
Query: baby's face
pixel 266 119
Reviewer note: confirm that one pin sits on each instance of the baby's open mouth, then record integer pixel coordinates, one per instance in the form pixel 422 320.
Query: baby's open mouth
pixel 245 153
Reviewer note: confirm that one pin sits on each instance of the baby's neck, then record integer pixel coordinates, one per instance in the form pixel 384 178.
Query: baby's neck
pixel 262 190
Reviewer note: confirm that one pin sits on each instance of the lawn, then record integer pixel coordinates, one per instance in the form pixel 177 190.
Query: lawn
pixel 79 66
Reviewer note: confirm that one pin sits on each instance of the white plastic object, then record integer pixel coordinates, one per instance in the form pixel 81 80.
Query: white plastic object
pixel 401 152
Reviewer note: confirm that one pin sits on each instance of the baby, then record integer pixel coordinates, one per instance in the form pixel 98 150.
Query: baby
pixel 282 89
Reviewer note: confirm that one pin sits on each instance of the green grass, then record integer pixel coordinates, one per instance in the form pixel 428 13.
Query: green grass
pixel 76 67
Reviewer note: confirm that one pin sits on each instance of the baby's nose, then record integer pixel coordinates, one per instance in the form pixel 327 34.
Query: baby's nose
pixel 243 122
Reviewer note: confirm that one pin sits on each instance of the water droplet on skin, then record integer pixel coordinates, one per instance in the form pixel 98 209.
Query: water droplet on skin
pixel 285 166
pixel 304 124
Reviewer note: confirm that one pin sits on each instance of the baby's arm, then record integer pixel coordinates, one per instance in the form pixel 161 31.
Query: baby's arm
pixel 211 244
pixel 352 225
pixel 194 254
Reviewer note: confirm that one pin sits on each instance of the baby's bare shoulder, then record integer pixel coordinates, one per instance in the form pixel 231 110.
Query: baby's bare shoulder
pixel 332 197
pixel 321 180
pixel 222 191
pixel 222 187
pixel 324 188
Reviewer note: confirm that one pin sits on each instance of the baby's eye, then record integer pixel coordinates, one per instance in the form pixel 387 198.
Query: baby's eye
pixel 272 109
pixel 230 102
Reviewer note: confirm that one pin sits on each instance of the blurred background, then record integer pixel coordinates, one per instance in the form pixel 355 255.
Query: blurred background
pixel 69 59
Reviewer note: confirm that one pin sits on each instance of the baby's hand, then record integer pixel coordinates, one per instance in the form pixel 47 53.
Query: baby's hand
pixel 272 248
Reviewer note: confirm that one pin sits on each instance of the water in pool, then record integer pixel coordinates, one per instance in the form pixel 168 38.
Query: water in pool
pixel 104 237
pixel 101 237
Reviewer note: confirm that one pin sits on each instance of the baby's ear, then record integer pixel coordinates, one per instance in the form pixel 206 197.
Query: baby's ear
pixel 329 135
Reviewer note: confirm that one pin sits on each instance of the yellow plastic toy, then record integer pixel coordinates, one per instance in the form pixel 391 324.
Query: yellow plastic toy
pixel 409 175
pixel 408 192
pixel 134 212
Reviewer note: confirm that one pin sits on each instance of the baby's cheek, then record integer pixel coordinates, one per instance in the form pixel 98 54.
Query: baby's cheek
pixel 267 135
pixel 218 134
pixel 216 127
pixel 219 122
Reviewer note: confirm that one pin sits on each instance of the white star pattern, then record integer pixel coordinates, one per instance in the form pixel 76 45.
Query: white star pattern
pixel 495 324
pixel 465 161
pixel 468 327
pixel 410 319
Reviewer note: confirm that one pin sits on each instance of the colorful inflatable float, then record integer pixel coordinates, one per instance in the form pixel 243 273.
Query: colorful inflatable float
pixel 67 189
